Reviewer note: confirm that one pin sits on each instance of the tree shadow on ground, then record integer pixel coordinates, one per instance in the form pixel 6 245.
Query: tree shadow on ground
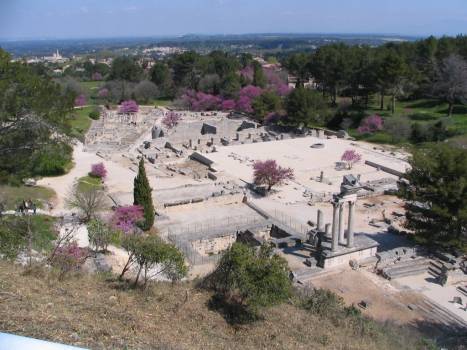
pixel 456 110
pixel 425 104
pixel 235 314
pixel 423 117
pixel 450 336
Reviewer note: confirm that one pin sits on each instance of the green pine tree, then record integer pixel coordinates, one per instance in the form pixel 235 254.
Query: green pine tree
pixel 142 196
pixel 259 79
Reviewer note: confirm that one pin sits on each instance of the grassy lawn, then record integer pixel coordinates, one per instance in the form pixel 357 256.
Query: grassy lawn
pixel 15 233
pixel 422 111
pixel 44 232
pixel 161 103
pixel 88 182
pixel 91 87
pixel 11 196
pixel 80 122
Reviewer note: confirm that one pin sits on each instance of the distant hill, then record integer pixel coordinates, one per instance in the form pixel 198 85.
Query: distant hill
pixel 199 42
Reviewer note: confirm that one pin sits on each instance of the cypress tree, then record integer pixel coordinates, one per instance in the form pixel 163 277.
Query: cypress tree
pixel 143 197
pixel 259 79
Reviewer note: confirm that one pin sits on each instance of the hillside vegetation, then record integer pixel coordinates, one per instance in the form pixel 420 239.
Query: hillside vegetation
pixel 98 312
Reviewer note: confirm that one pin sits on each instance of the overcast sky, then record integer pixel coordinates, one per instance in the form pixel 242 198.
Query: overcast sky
pixel 116 18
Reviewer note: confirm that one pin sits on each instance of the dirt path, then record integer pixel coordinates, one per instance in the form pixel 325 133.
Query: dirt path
pixel 119 178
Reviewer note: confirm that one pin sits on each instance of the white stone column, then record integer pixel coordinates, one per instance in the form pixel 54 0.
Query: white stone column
pixel 319 221
pixel 341 224
pixel 350 233
pixel 327 230
pixel 335 218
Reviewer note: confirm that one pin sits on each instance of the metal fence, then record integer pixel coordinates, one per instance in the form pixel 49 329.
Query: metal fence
pixel 183 236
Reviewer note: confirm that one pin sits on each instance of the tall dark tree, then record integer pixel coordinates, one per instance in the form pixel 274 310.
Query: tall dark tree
pixel 33 118
pixel 391 73
pixel 451 81
pixel 125 68
pixel 305 106
pixel 267 102
pixel 184 69
pixel 230 86
pixel 298 65
pixel 330 68
pixel 259 79
pixel 436 195
pixel 142 195
pixel 161 76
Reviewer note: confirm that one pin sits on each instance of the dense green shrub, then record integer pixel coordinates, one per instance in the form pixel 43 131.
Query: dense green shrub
pixel 53 160
pixel 246 279
pixel 100 235
pixel 16 230
pixel 94 114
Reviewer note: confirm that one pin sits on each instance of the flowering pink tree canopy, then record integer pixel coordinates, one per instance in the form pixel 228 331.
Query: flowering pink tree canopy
pixel 228 105
pixel 98 170
pixel 125 218
pixel 129 106
pixel 247 72
pixel 273 118
pixel 96 76
pixel 103 93
pixel 246 97
pixel 283 89
pixel 80 101
pixel 270 174
pixel 371 124
pixel 200 101
pixel 351 157
pixel 69 257
pixel 171 119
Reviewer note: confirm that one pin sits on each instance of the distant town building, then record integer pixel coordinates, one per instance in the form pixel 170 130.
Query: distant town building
pixel 55 58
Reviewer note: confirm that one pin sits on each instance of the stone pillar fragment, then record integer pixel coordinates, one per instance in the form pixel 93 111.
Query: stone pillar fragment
pixel 327 230
pixel 350 233
pixel 335 218
pixel 319 221
pixel 341 224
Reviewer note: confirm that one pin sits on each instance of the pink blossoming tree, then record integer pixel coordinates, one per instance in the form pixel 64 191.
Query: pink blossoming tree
pixel 171 119
pixel 228 105
pixel 103 93
pixel 69 257
pixel 246 97
pixel 129 106
pixel 351 157
pixel 98 170
pixel 80 101
pixel 247 73
pixel 96 76
pixel 125 218
pixel 269 173
pixel 371 124
pixel 200 101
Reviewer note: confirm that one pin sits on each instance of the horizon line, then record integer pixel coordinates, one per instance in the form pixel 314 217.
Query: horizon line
pixel 178 36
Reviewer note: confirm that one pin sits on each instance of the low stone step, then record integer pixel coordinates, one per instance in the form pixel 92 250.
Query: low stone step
pixel 462 289
pixel 404 271
pixel 446 314
pixel 432 315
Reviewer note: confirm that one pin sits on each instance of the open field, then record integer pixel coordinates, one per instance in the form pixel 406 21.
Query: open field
pixel 422 111
pixel 80 122
pixel 91 89
pixel 41 226
pixel 11 196
pixel 89 182
pixel 99 313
